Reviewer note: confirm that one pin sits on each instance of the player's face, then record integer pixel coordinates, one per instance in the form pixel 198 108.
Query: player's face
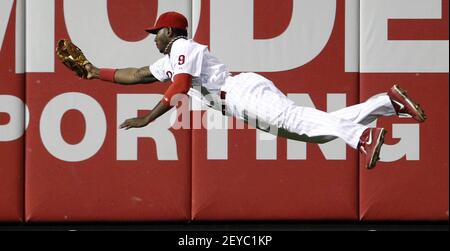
pixel 162 39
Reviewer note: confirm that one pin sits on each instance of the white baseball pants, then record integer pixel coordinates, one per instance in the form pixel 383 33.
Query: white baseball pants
pixel 251 96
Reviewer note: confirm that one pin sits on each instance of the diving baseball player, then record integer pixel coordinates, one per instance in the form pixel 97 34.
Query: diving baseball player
pixel 190 66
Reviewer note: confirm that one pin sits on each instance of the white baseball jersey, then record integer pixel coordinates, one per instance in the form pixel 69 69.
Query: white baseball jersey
pixel 187 56
pixel 252 95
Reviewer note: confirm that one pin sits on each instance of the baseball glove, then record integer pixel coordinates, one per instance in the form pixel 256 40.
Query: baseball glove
pixel 72 57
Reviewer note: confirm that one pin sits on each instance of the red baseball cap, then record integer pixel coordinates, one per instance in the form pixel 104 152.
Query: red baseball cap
pixel 169 20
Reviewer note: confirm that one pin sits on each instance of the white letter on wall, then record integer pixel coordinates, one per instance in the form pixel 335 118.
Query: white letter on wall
pixel 50 127
pixel 15 108
pixel 89 27
pixel 5 14
pixel 308 32
pixel 352 35
pixel 40 35
pixel 378 54
pixel 128 106
pixel 409 145
pixel 217 134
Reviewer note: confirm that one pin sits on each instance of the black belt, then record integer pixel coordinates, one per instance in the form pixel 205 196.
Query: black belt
pixel 223 95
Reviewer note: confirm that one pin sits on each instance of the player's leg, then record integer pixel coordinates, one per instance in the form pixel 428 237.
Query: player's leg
pixel 314 123
pixel 258 97
pixel 367 112
pixel 363 113
pixel 394 102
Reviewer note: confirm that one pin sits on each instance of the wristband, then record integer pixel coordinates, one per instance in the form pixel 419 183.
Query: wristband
pixel 107 74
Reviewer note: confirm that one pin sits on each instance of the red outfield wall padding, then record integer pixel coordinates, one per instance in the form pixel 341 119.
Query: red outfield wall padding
pixel 293 183
pixel 411 181
pixel 79 165
pixel 12 92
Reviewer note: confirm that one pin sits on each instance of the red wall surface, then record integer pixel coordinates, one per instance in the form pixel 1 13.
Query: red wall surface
pixel 102 188
pixel 243 187
pixel 12 96
pixel 76 165
pixel 414 187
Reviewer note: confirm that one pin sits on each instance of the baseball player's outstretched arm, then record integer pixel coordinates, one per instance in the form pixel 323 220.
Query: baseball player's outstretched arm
pixel 139 122
pixel 181 85
pixel 128 76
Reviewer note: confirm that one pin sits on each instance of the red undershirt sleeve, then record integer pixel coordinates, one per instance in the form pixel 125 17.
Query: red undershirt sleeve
pixel 181 85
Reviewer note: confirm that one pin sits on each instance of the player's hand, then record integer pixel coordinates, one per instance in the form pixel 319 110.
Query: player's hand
pixel 93 72
pixel 135 123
